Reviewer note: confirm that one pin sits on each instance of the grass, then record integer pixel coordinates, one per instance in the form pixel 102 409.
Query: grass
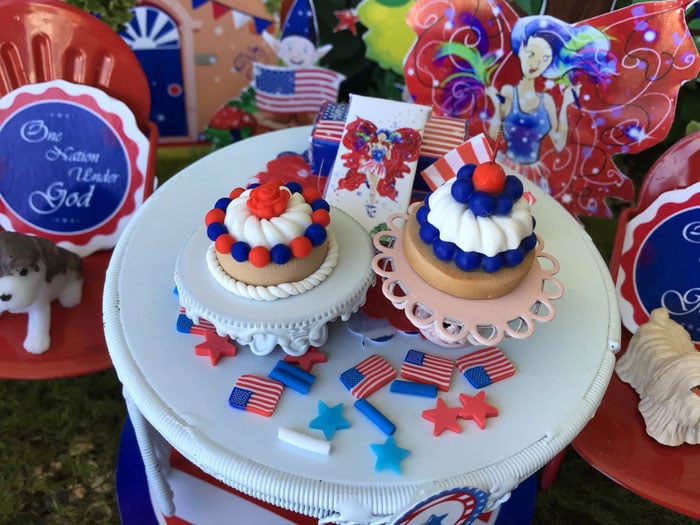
pixel 59 443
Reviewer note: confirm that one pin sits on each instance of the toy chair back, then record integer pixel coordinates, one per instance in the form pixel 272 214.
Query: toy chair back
pixel 49 40
pixel 678 167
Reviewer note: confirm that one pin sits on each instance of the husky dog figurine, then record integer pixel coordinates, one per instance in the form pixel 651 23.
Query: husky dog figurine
pixel 663 366
pixel 34 272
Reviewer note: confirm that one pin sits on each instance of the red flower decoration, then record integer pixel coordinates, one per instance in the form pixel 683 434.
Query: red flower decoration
pixel 267 201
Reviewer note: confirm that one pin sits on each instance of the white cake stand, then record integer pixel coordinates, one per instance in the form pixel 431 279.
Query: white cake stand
pixel 292 323
pixel 562 371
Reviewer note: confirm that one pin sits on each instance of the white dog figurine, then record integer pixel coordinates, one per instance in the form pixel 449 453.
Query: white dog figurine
pixel 34 272
pixel 663 366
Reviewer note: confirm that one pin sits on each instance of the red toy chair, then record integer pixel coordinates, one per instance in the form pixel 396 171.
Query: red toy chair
pixel 50 40
pixel 615 441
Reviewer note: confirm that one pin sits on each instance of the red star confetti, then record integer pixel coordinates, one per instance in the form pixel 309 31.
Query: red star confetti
pixel 347 20
pixel 215 346
pixel 476 408
pixel 443 417
pixel 308 359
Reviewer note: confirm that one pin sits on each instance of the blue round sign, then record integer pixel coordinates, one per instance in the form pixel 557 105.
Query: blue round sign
pixel 667 267
pixel 62 167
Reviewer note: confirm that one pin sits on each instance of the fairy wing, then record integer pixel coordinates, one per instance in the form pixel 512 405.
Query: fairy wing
pixel 625 112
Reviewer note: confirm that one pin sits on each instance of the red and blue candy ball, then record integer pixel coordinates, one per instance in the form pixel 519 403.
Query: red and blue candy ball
pixel 266 201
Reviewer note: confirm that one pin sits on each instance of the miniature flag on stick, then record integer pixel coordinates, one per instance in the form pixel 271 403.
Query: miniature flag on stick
pixel 367 376
pixel 426 368
pixel 485 366
pixel 476 150
pixel 255 394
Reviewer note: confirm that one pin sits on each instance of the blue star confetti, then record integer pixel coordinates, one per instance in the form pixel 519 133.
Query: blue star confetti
pixel 329 419
pixel 389 456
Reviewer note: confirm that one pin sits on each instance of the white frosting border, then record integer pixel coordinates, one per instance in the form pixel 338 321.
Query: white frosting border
pixel 274 292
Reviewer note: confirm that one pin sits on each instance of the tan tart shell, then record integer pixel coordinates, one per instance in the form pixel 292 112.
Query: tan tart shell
pixel 448 278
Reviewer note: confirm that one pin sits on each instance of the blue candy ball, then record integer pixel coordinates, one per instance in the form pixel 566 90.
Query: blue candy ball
pixel 529 242
pixel 428 233
pixel 513 187
pixel 482 204
pixel 422 214
pixel 222 203
pixel 466 171
pixel 320 204
pixel 240 251
pixel 514 257
pixel 215 229
pixel 492 264
pixel 280 254
pixel 461 190
pixel 252 185
pixel 316 234
pixel 444 250
pixel 503 204
pixel 294 187
pixel 467 261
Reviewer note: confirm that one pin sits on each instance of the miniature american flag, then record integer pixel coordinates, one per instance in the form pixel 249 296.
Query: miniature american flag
pixel 288 90
pixel 330 121
pixel 476 150
pixel 187 326
pixel 367 376
pixel 485 366
pixel 255 394
pixel 426 368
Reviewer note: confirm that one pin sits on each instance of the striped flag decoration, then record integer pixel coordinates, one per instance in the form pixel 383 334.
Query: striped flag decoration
pixel 281 89
pixel 442 134
pixel 476 150
pixel 485 366
pixel 187 326
pixel 427 368
pixel 330 121
pixel 255 394
pixel 367 376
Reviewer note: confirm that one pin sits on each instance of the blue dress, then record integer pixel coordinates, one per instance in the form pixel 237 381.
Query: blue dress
pixel 524 131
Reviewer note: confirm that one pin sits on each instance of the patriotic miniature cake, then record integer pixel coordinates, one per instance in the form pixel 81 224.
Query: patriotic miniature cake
pixel 270 236
pixel 473 237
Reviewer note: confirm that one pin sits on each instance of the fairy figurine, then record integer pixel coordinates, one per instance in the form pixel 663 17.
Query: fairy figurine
pixel 566 97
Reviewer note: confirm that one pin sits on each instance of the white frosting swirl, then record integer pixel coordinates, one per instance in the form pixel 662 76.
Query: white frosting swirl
pixel 244 226
pixel 486 235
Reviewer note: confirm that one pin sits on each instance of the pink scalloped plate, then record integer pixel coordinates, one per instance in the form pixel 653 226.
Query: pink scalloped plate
pixel 454 322
pixel 77 340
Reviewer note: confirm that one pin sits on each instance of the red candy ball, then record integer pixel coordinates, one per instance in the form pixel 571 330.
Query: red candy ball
pixel 214 215
pixel 311 194
pixel 223 243
pixel 235 193
pixel 489 177
pixel 321 217
pixel 300 246
pixel 259 256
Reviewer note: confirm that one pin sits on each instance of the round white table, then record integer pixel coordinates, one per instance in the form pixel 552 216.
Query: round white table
pixel 562 372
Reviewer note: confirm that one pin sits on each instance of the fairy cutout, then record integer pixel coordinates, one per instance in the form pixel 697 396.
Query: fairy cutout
pixel 566 97
pixel 377 158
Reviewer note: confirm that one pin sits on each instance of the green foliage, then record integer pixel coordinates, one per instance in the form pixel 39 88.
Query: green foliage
pixel 114 13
